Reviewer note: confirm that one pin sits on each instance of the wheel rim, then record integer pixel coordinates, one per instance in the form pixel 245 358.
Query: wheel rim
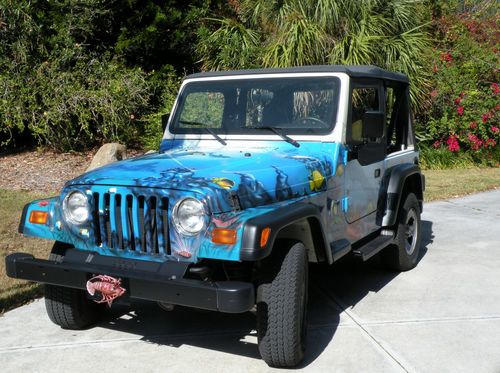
pixel 411 231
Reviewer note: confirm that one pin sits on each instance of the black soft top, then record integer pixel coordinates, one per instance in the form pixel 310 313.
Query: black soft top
pixel 354 71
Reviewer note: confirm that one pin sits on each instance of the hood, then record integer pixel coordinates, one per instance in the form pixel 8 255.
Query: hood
pixel 260 174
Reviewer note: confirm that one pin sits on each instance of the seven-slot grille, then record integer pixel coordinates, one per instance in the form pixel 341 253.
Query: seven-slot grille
pixel 131 223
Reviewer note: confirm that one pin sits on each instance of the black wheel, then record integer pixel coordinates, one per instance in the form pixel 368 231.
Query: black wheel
pixel 282 308
pixel 403 256
pixel 69 308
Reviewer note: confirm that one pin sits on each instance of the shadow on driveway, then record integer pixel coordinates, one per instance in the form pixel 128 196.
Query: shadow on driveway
pixel 332 290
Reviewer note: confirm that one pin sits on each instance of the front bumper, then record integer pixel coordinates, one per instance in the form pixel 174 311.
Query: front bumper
pixel 161 282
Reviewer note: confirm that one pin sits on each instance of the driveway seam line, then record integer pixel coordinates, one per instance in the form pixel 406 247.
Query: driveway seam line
pixel 486 212
pixel 435 320
pixel 360 325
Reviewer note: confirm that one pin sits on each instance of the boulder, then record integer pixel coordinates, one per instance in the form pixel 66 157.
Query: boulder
pixel 108 153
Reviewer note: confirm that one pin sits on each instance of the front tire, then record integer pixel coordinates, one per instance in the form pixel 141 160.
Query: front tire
pixel 403 256
pixel 282 309
pixel 69 308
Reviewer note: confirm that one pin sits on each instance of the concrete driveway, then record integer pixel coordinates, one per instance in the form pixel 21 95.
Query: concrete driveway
pixel 443 316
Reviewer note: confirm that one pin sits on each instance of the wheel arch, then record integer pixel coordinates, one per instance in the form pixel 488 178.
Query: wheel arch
pixel 398 182
pixel 301 222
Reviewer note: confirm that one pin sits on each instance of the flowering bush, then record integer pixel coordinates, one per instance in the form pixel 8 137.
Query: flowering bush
pixel 464 105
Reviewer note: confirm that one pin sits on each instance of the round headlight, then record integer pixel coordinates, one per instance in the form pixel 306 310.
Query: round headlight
pixel 189 216
pixel 76 208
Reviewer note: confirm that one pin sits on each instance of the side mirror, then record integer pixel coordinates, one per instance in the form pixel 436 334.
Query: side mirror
pixel 373 124
pixel 164 121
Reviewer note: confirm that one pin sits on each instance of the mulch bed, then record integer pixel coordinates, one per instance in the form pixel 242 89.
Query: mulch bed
pixel 43 171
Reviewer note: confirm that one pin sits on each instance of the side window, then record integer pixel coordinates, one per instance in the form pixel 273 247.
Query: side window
pixel 205 108
pixel 398 126
pixel 363 99
pixel 391 116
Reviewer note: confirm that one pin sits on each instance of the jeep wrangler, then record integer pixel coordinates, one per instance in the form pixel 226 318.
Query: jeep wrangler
pixel 259 173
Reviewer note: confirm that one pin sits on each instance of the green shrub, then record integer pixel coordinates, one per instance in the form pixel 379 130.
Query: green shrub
pixel 75 108
pixel 166 84
pixel 67 75
pixel 442 158
pixel 463 114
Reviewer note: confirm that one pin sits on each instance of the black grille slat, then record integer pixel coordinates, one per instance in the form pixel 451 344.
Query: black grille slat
pixel 153 207
pixel 125 222
pixel 96 219
pixel 102 219
pixel 118 220
pixel 130 224
pixel 164 216
pixel 142 233
pixel 107 221
pixel 148 226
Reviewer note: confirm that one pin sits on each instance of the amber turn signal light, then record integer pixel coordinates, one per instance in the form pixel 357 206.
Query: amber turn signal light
pixel 264 236
pixel 224 236
pixel 38 217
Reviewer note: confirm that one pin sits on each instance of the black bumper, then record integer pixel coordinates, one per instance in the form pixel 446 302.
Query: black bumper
pixel 161 282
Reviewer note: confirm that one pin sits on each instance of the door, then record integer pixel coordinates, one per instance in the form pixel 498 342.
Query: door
pixel 365 161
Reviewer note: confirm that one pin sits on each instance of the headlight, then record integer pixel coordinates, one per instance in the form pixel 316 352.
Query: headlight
pixel 189 216
pixel 76 208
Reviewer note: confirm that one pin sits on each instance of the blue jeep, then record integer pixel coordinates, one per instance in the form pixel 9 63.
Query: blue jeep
pixel 259 173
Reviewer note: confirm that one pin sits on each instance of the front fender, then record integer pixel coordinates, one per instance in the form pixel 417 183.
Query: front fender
pixel 395 180
pixel 276 220
pixel 52 229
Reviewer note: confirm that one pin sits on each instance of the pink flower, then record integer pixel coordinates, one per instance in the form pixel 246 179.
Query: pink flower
pixel 475 142
pixel 452 143
pixel 446 57
pixel 434 93
pixel 486 117
pixel 437 144
pixel 473 125
pixel 460 110
pixel 494 87
pixel 490 143
pixel 494 129
pixel 458 100
pixel 462 94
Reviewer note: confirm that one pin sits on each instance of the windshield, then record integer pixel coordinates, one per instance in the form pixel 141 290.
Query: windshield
pixel 305 105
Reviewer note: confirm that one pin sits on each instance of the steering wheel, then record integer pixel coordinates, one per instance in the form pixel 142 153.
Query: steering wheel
pixel 321 123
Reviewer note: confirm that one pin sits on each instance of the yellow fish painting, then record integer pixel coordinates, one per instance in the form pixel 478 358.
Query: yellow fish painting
pixel 223 182
pixel 316 180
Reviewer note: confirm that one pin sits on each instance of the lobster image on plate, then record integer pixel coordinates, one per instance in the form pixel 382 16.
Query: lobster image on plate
pixel 109 288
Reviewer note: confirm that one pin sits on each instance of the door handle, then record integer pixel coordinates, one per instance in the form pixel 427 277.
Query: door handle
pixel 377 173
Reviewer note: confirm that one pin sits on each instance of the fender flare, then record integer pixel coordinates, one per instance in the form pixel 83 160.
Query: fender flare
pixel 394 183
pixel 277 220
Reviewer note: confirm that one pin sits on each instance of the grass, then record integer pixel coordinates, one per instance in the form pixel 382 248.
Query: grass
pixel 441 184
pixel 443 159
pixel 444 184
pixel 14 293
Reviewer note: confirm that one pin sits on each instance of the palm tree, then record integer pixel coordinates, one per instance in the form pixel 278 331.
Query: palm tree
pixel 279 33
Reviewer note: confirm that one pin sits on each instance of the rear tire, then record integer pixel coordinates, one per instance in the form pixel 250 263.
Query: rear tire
pixel 69 308
pixel 282 309
pixel 403 255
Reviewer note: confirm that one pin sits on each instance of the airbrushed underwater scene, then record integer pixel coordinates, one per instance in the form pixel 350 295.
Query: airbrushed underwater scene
pixel 131 200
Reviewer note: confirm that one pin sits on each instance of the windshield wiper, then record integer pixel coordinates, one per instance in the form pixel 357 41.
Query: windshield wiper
pixel 217 137
pixel 277 131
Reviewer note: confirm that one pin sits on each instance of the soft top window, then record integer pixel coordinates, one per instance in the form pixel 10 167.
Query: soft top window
pixel 295 105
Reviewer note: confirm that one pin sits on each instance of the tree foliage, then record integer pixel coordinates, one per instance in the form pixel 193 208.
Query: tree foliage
pixel 388 33
pixel 76 73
